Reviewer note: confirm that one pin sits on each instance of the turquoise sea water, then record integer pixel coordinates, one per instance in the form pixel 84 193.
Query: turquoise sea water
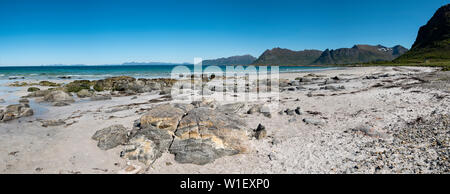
pixel 103 71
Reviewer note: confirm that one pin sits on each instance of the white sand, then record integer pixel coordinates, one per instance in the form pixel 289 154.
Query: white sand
pixel 291 146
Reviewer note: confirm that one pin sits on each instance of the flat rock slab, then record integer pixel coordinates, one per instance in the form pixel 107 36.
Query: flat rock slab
pixel 111 137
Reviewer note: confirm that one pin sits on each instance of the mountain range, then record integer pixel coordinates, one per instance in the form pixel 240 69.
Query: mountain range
pixel 432 43
pixel 359 54
pixel 281 56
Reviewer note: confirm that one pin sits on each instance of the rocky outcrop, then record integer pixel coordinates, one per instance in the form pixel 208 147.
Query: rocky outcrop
pixel 154 132
pixel 32 89
pixel 216 133
pixel 111 137
pixel 78 85
pixel 129 84
pixel 433 40
pixel 260 132
pixel 84 93
pixel 194 135
pixel 15 111
pixel 58 96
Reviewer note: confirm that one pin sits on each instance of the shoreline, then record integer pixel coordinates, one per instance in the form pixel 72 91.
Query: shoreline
pixel 330 121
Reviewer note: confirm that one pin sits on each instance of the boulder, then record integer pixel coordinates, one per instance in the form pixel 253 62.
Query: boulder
pixel 38 93
pixel 164 117
pixel 111 137
pixel 142 149
pixel 78 85
pixel 205 134
pixel 198 151
pixel 260 132
pixel 58 96
pixel 298 111
pixel 15 111
pixel 84 93
pixel 119 83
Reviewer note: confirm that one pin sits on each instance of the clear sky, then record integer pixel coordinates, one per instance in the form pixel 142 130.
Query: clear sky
pixel 37 32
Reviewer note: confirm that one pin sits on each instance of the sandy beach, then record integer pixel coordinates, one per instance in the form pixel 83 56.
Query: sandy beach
pixel 349 120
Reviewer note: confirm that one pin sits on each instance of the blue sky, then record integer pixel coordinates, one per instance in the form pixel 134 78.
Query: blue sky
pixel 113 32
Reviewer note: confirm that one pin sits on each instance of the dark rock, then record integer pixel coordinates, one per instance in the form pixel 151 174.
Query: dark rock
pixel 32 89
pixel 15 111
pixel 198 151
pixel 205 134
pixel 111 137
pixel 298 111
pixel 58 96
pixel 260 132
pixel 78 85
pixel 142 149
pixel 84 93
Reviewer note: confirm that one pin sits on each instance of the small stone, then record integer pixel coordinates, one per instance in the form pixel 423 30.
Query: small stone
pixel 260 132
pixel 298 111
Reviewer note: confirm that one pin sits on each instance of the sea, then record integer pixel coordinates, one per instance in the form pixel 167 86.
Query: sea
pixel 94 72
